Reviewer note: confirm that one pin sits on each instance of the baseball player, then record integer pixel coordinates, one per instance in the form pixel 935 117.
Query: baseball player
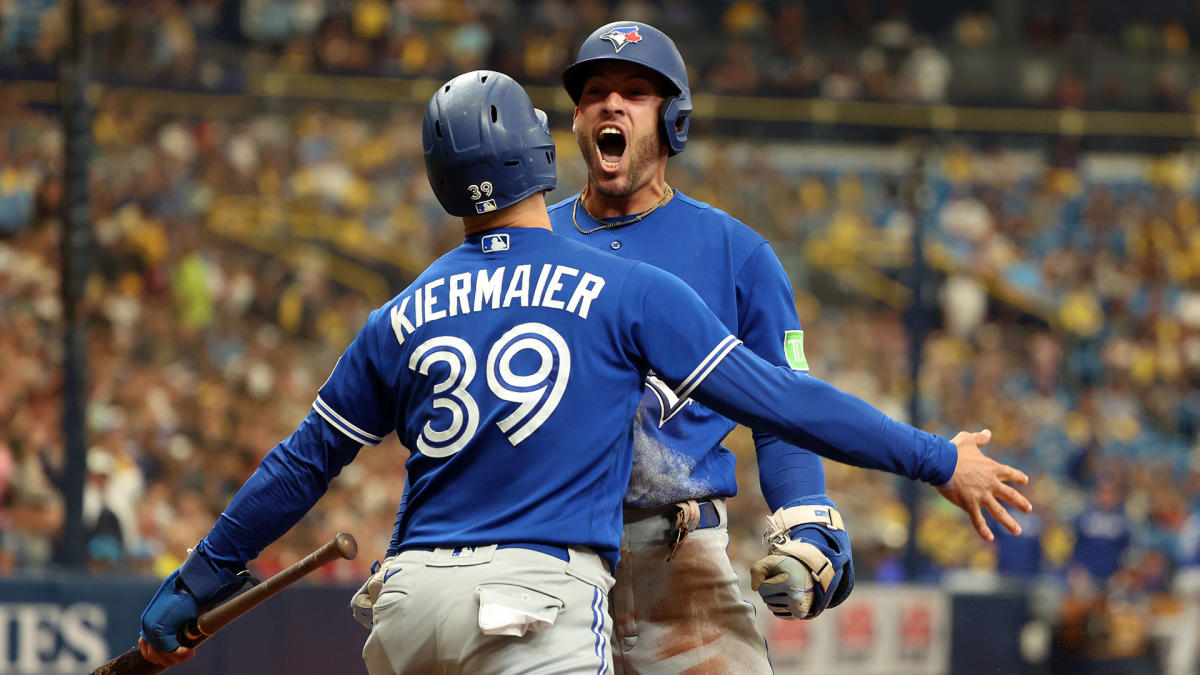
pixel 676 602
pixel 512 368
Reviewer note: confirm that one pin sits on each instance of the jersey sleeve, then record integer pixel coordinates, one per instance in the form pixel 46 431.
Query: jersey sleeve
pixel 769 327
pixel 286 484
pixel 357 399
pixel 673 332
pixel 806 411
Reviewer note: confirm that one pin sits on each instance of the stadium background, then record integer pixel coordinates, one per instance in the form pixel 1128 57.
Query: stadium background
pixel 255 188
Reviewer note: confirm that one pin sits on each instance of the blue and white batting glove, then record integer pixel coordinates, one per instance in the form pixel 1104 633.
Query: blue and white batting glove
pixel 198 583
pixel 809 566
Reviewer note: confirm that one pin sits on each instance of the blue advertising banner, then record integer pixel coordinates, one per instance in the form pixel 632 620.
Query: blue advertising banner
pixel 68 625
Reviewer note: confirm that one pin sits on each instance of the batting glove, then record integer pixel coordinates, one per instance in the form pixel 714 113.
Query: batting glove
pixel 809 566
pixel 199 582
pixel 362 604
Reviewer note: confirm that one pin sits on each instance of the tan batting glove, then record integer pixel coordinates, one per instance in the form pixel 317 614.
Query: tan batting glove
pixel 785 584
pixel 362 605
pixel 979 482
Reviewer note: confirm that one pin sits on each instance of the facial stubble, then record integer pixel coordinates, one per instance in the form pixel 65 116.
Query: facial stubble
pixel 645 154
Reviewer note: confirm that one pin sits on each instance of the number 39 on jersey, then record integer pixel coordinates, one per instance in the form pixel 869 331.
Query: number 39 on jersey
pixel 536 394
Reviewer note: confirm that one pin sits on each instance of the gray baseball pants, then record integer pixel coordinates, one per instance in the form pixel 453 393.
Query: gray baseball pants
pixel 488 610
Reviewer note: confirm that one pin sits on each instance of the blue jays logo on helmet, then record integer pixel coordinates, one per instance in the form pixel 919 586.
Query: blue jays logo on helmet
pixel 622 36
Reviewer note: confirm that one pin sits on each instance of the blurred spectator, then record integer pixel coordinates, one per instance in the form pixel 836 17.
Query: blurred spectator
pixel 1020 556
pixel 975 29
pixel 1102 532
pixel 102 528
pixel 1183 655
pixel 737 72
pixel 925 74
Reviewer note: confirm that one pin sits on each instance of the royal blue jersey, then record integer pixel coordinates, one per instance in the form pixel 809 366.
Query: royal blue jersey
pixel 735 272
pixel 511 368
pixel 1102 535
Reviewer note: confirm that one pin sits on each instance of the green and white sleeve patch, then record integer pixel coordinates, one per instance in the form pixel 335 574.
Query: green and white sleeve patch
pixel 793 349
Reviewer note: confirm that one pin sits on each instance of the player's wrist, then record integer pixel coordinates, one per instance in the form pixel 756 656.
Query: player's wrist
pixel 205 578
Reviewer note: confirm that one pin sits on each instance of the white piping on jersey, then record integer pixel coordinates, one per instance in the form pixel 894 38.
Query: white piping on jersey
pixel 671 402
pixel 343 425
pixel 706 366
pixel 489 292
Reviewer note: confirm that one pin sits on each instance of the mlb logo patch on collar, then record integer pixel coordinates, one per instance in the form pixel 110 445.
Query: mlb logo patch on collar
pixel 494 243
pixel 621 36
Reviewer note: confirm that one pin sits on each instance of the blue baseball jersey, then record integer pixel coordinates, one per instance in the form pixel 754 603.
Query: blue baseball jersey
pixel 511 368
pixel 1102 535
pixel 678 451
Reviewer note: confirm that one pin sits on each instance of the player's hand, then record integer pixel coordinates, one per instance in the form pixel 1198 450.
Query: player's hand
pixel 835 544
pixel 172 607
pixel 787 583
pixel 784 584
pixel 164 659
pixel 980 482
pixel 199 583
pixel 362 603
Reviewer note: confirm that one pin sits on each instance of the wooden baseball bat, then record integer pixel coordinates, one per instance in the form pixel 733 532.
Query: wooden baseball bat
pixel 208 623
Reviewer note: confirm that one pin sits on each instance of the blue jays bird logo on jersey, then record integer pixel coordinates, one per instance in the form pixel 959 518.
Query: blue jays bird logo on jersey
pixel 669 403
pixel 621 36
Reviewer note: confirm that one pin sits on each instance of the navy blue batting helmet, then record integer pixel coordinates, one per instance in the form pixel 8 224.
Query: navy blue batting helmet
pixel 645 45
pixel 486 146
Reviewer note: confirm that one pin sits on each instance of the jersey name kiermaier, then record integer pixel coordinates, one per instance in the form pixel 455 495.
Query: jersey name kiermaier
pixel 511 369
pixel 677 448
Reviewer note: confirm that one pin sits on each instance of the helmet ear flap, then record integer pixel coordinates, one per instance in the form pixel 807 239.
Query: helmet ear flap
pixel 675 124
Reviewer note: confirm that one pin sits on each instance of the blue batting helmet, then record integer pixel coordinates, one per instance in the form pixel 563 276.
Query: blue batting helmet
pixel 486 146
pixel 645 45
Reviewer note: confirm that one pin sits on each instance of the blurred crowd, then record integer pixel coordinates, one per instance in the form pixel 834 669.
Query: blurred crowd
pixel 236 256
pixel 1068 322
pixel 1069 309
pixel 1076 54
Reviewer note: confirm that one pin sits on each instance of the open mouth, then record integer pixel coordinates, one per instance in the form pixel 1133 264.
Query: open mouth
pixel 611 146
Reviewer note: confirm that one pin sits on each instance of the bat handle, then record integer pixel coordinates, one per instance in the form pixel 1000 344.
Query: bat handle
pixel 199 629
pixel 191 635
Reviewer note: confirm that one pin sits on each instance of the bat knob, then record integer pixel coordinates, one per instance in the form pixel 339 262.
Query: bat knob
pixel 346 546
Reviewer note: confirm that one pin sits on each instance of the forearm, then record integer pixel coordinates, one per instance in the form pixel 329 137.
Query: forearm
pixel 806 411
pixel 287 483
pixel 787 473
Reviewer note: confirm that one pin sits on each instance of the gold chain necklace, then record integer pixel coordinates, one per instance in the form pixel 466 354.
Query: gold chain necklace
pixel 667 194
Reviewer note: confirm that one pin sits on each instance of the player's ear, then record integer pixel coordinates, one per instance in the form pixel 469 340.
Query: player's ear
pixel 574 116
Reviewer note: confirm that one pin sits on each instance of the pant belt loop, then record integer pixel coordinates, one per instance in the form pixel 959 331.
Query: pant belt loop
pixel 687 518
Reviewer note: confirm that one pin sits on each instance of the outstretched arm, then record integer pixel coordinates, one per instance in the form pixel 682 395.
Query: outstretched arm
pixel 807 411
